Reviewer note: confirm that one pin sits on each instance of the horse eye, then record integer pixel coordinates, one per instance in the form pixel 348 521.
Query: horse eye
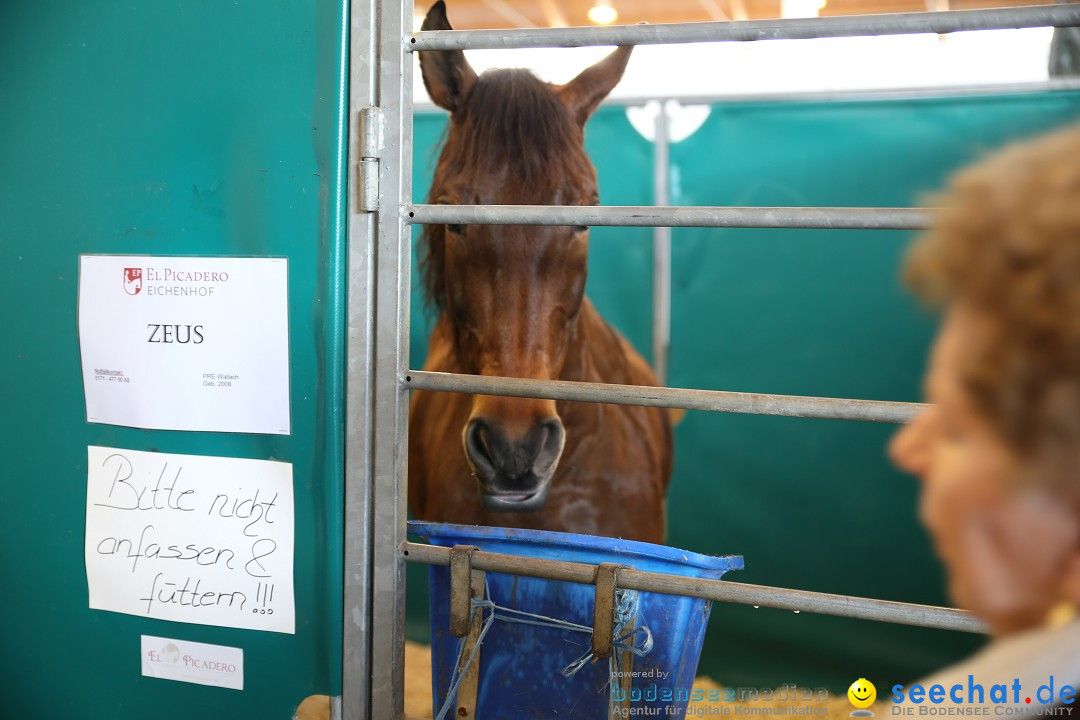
pixel 455 229
pixel 581 228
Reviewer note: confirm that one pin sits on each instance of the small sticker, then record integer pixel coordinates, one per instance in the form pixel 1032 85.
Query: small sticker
pixel 193 662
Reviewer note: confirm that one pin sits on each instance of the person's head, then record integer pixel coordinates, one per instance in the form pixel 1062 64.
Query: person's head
pixel 998 452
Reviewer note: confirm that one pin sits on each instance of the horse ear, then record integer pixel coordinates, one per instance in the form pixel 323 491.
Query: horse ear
pixel 583 94
pixel 448 76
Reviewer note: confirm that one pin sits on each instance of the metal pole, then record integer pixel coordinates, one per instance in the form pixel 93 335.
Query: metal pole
pixel 1065 50
pixel 750 30
pixel 391 352
pixel 1059 84
pixel 649 216
pixel 359 396
pixel 661 249
pixel 712 400
pixel 719 590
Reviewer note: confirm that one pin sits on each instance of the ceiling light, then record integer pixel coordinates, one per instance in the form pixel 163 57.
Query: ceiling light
pixel 603 14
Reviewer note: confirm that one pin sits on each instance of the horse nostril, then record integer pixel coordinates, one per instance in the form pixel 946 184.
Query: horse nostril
pixel 498 459
pixel 481 446
pixel 552 438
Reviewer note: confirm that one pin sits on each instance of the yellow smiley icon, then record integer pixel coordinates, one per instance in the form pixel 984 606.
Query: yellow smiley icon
pixel 862 693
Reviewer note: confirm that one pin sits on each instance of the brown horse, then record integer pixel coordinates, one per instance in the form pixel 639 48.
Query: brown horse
pixel 511 302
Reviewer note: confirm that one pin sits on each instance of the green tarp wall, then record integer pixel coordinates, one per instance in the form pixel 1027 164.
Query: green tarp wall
pixel 180 128
pixel 812 504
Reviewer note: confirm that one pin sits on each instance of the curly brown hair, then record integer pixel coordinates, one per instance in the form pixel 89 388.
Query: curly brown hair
pixel 1006 243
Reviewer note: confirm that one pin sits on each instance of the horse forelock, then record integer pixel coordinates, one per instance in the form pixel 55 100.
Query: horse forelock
pixel 513 117
pixel 515 134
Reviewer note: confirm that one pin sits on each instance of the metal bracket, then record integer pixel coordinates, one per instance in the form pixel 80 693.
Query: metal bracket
pixel 465 584
pixel 604 609
pixel 461 589
pixel 370 135
pixel 603 635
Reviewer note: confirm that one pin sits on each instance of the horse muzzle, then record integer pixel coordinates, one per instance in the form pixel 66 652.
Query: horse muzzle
pixel 514 473
pixel 516 502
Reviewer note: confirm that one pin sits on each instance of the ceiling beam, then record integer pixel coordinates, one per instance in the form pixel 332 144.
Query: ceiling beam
pixel 509 13
pixel 713 10
pixel 553 14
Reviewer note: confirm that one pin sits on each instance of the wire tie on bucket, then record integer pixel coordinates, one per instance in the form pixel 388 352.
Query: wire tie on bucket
pixel 462 664
pixel 625 612
pixel 627 604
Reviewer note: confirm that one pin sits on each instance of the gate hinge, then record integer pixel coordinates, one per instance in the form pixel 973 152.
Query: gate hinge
pixel 370 122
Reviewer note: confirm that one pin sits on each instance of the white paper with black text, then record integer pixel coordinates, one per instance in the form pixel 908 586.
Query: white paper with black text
pixel 185 343
pixel 190 538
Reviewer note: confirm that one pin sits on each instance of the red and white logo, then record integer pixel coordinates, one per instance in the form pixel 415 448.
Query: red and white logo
pixel 132 280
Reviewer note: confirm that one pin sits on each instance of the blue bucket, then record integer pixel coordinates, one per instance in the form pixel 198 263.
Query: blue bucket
pixel 521 664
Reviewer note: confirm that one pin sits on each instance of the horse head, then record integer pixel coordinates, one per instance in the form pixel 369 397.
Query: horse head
pixel 511 294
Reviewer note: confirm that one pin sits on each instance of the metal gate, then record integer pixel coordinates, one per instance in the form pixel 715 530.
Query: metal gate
pixel 381 214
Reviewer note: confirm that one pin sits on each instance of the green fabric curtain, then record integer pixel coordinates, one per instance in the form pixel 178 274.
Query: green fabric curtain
pixel 812 504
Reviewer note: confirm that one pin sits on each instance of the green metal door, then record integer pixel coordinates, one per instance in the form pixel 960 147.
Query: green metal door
pixel 163 128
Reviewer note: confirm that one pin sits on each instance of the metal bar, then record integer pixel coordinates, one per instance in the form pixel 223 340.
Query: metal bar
pixel 750 30
pixel 391 351
pixel 355 703
pixel 603 626
pixel 470 681
pixel 834 218
pixel 661 305
pixel 370 147
pixel 1058 84
pixel 712 400
pixel 461 607
pixel 370 132
pixel 718 590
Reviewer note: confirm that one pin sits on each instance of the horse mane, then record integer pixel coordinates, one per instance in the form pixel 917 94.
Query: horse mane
pixel 510 118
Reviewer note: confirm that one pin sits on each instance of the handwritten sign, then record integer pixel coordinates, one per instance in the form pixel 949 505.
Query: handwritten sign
pixel 185 343
pixel 190 538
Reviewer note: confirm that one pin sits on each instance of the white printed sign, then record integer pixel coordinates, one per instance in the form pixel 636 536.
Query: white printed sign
pixel 190 538
pixel 193 662
pixel 185 343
